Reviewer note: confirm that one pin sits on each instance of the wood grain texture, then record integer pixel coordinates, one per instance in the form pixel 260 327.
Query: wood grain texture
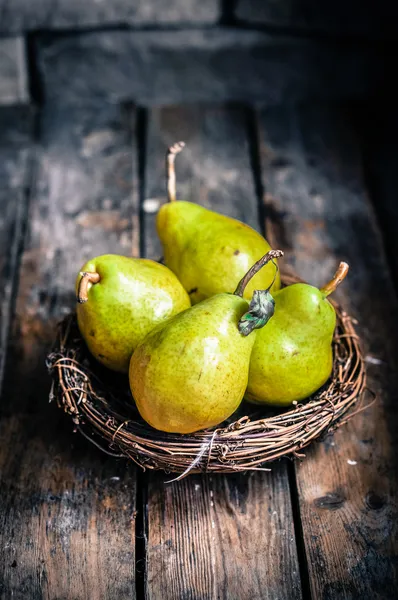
pixel 219 64
pixel 16 131
pixel 224 537
pixel 308 16
pixel 19 15
pixel 13 71
pixel 347 485
pixel 67 511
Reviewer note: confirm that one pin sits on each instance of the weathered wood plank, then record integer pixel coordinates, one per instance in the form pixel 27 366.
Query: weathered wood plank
pixel 16 129
pixel 339 18
pixel 347 485
pixel 67 511
pixel 218 64
pixel 13 71
pixel 218 537
pixel 19 15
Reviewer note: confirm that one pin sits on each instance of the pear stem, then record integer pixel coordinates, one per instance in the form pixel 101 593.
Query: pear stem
pixel 337 278
pixel 82 292
pixel 255 269
pixel 170 169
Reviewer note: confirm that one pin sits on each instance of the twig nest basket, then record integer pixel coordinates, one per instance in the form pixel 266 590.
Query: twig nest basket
pixel 102 409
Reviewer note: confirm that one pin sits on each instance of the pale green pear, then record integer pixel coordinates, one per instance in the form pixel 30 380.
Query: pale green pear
pixel 191 372
pixel 209 252
pixel 292 356
pixel 121 300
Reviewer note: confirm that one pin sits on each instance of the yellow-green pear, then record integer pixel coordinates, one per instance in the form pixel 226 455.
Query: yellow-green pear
pixel 191 372
pixel 209 252
pixel 120 300
pixel 292 356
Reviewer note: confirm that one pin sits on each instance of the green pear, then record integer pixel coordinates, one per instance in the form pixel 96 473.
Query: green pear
pixel 120 300
pixel 292 356
pixel 191 372
pixel 209 252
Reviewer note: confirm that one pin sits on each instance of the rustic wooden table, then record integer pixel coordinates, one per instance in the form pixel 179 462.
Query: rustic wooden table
pixel 77 170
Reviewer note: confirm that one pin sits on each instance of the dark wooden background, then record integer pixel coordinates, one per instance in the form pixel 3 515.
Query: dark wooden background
pixel 290 123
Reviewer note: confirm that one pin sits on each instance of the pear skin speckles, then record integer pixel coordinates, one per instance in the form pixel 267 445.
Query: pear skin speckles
pixel 292 355
pixel 209 252
pixel 191 373
pixel 131 298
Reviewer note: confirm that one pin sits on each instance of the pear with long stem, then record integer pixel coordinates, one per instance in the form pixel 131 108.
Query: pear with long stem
pixel 292 356
pixel 208 252
pixel 191 372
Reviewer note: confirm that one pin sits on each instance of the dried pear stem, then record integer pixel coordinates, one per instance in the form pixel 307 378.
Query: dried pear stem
pixel 82 295
pixel 255 269
pixel 337 278
pixel 170 169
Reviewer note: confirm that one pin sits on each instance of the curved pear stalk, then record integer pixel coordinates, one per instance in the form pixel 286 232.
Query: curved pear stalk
pixel 262 305
pixel 170 169
pixel 337 278
pixel 82 292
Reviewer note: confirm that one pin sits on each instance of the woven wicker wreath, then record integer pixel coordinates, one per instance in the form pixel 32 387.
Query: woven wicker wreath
pixel 103 410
